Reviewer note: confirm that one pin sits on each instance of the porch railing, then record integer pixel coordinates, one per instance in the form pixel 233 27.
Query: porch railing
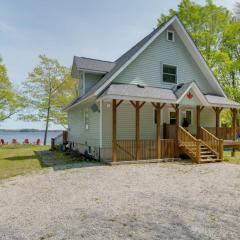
pixel 214 143
pixel 224 132
pixel 126 149
pixel 190 144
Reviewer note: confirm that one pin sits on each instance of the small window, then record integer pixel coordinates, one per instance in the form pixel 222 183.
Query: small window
pixel 170 36
pixel 172 117
pixel 169 73
pixel 86 119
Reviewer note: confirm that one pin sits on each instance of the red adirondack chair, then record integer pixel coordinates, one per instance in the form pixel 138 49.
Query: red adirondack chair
pixel 14 141
pixel 38 141
pixel 3 142
pixel 26 141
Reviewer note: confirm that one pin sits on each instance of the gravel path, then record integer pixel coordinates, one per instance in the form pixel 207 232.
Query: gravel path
pixel 151 201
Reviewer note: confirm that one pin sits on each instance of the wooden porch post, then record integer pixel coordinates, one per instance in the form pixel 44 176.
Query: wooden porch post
pixel 217 111
pixel 114 128
pixel 234 128
pixel 137 106
pixel 234 123
pixel 158 108
pixel 176 107
pixel 199 109
pixel 137 130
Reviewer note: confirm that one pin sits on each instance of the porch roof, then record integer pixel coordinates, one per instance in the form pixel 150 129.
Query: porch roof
pixel 221 101
pixel 155 94
pixel 139 92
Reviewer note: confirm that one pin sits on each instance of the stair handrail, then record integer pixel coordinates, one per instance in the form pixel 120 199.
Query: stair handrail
pixel 215 144
pixel 186 139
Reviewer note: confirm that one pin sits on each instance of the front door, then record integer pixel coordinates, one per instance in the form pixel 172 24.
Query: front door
pixel 187 120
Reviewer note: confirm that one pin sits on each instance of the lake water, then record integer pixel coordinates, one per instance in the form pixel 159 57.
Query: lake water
pixel 32 136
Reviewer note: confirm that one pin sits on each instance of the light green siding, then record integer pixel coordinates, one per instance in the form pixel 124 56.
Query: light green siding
pixel 77 132
pixel 147 67
pixel 91 79
pixel 126 122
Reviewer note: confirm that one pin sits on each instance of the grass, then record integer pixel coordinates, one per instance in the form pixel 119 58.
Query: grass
pixel 230 159
pixel 19 159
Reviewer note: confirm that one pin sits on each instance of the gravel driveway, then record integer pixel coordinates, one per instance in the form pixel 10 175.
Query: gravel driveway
pixel 151 201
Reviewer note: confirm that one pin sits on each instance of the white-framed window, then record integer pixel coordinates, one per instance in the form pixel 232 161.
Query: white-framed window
pixel 86 119
pixel 171 116
pixel 187 116
pixel 170 36
pixel 169 73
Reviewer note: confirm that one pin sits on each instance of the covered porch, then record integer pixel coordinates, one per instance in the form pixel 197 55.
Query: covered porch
pixel 203 139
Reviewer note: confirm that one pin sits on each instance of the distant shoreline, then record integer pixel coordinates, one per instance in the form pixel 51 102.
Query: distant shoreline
pixel 27 130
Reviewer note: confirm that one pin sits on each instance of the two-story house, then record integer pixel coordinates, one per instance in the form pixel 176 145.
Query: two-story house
pixel 157 100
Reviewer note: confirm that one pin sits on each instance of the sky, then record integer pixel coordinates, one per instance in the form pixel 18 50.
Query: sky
pixel 63 28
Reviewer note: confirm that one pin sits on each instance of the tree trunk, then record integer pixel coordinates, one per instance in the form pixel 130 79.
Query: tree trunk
pixel 46 128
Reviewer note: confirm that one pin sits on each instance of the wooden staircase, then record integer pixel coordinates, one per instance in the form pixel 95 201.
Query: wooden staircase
pixel 207 149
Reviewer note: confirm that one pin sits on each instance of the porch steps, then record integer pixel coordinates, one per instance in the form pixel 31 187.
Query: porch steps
pixel 206 154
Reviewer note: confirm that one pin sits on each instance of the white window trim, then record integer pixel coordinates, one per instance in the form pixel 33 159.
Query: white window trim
pixel 183 114
pixel 170 110
pixel 86 124
pixel 176 73
pixel 173 34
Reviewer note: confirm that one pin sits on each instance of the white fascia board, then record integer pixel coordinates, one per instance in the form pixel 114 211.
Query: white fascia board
pixel 67 109
pixel 224 105
pixel 193 50
pixel 131 98
pixel 135 55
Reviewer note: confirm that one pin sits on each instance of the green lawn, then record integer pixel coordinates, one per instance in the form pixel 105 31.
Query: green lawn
pixel 19 159
pixel 229 158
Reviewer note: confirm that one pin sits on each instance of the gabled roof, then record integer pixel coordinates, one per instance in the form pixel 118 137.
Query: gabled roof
pixel 121 63
pixel 183 89
pixel 93 65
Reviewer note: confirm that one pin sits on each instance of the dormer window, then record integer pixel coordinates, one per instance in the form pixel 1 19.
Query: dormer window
pixel 170 36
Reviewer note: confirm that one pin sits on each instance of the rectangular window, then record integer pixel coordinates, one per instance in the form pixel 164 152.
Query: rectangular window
pixel 169 73
pixel 86 119
pixel 170 36
pixel 172 117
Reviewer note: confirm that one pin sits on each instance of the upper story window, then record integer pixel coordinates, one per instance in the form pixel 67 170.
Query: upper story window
pixel 169 73
pixel 170 36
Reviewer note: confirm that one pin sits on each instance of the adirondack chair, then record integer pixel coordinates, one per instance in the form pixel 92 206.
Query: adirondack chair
pixel 14 141
pixel 2 141
pixel 26 141
pixel 38 141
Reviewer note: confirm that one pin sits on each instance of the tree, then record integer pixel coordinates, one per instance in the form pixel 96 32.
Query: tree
pixel 48 88
pixel 216 32
pixel 9 103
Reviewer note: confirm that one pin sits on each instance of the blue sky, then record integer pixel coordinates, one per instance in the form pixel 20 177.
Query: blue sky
pixel 61 29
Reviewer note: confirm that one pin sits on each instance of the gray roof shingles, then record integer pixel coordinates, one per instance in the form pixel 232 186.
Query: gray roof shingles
pixel 136 91
pixel 95 65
